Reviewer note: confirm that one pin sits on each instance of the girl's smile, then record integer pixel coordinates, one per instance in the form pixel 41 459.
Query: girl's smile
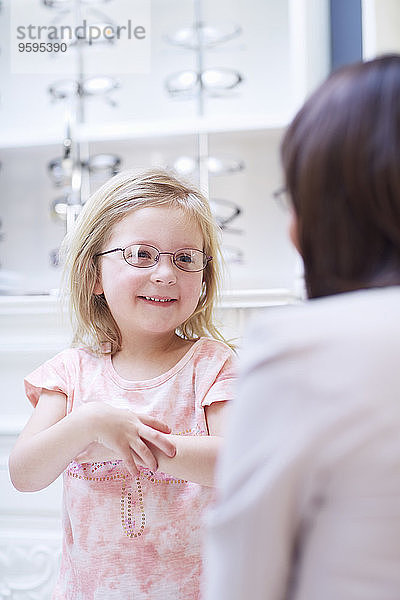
pixel 158 299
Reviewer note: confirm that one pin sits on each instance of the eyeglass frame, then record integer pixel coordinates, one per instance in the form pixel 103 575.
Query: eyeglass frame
pixel 282 198
pixel 208 258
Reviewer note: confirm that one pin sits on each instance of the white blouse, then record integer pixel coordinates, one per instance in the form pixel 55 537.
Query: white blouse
pixel 309 500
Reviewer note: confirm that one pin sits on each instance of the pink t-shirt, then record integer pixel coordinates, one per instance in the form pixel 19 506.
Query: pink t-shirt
pixel 135 538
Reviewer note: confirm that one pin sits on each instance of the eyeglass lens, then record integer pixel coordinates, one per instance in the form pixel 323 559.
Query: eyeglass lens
pixel 187 259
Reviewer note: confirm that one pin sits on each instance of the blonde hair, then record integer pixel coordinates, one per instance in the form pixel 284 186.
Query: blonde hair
pixel 93 323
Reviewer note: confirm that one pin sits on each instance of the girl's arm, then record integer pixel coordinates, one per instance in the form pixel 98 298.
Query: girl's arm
pixel 196 455
pixel 51 439
pixel 46 444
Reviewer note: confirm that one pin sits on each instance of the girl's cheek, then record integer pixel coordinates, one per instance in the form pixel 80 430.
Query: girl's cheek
pixel 198 291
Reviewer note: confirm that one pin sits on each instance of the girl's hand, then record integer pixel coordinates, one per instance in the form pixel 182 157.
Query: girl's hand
pixel 95 452
pixel 125 434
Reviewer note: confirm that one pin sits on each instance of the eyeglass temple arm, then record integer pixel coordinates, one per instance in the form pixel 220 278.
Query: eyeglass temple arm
pixel 109 251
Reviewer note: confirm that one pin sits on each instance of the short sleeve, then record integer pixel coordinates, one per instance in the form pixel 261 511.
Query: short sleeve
pixel 53 375
pixel 222 386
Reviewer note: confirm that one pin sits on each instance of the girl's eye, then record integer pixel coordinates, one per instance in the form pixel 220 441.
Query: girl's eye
pixel 140 255
pixel 186 258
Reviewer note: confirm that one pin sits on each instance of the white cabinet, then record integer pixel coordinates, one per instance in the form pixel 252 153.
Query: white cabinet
pixel 32 330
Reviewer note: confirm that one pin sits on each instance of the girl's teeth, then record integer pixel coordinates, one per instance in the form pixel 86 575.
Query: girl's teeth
pixel 156 299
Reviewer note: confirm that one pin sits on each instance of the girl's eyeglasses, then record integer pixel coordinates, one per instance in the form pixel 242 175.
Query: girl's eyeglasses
pixel 145 256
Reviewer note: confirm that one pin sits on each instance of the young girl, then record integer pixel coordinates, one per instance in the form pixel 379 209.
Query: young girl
pixel 133 416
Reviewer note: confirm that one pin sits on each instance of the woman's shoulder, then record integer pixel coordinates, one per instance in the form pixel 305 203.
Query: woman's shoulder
pixel 351 309
pixel 353 322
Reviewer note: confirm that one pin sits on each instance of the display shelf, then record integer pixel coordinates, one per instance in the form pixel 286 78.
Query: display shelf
pixel 257 298
pixel 30 305
pixel 282 54
pixel 181 126
pixel 50 304
pixel 136 130
pixel 36 327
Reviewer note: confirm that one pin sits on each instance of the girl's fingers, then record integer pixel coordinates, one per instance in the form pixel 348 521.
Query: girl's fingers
pixel 161 441
pixel 155 423
pixel 145 455
pixel 138 461
pixel 127 457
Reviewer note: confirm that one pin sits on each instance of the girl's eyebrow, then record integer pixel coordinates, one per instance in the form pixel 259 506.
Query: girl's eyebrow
pixel 155 245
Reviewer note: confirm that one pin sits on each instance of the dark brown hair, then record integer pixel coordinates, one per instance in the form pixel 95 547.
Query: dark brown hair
pixel 341 159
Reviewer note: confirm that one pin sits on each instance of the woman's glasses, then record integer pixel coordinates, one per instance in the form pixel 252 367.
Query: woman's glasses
pixel 282 198
pixel 145 256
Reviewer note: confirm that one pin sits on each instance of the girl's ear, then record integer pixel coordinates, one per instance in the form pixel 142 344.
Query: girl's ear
pixel 98 288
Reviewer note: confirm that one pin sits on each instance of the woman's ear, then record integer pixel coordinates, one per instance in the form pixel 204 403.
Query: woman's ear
pixel 294 231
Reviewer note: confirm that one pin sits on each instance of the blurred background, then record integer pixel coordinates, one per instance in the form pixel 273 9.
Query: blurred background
pixel 219 83
pixel 203 87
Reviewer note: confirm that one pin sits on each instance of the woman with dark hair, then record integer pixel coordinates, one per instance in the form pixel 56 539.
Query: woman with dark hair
pixel 341 161
pixel 309 503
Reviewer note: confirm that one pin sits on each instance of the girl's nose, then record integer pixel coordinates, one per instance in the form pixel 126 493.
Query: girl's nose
pixel 164 271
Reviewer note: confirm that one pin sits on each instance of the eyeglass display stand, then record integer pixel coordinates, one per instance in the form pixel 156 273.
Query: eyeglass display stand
pixel 281 64
pixel 77 186
pixel 198 44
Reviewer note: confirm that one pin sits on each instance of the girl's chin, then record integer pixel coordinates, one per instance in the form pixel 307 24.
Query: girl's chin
pixel 154 327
